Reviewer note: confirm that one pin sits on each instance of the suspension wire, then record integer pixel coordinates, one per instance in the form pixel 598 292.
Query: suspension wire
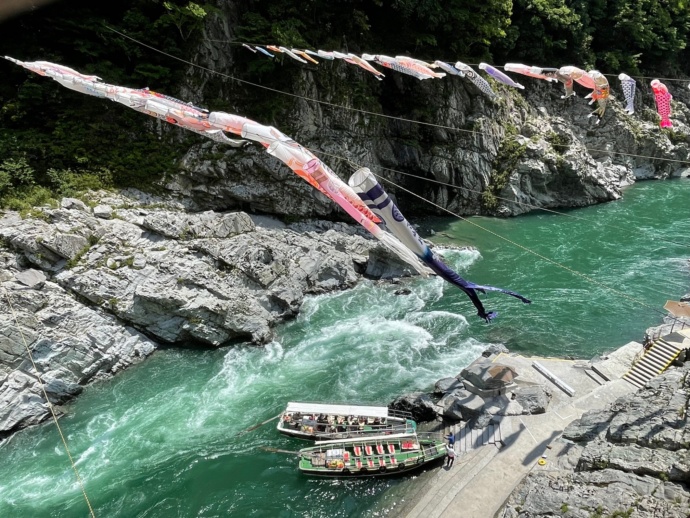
pixel 367 112
pixel 238 42
pixel 537 254
pixel 413 122
pixel 453 186
pixel 356 166
pixel 50 405
pixel 395 118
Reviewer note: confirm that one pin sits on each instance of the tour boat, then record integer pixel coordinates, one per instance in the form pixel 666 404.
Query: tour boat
pixel 371 456
pixel 316 421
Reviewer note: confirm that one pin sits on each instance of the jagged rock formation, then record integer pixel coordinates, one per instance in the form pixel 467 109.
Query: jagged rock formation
pixel 480 391
pixel 501 157
pixel 631 459
pixel 94 291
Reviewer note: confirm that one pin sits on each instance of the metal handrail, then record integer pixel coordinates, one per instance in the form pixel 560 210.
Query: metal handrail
pixel 363 433
pixel 430 435
pixel 399 413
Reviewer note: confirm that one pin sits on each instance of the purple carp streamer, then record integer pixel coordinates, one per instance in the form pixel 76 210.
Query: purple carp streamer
pixel 499 76
pixel 478 80
pixel 628 86
pixel 372 193
pixel 214 125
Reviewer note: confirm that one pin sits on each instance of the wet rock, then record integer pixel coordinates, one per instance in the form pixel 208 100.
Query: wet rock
pixel 419 404
pixel 495 349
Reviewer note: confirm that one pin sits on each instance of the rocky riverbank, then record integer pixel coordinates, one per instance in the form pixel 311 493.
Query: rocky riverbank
pixel 95 288
pixel 628 458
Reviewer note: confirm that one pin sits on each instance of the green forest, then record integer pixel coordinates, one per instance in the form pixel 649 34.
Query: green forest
pixel 55 142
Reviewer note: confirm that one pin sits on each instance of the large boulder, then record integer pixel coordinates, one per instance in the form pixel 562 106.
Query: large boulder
pixel 461 405
pixel 445 385
pixel 419 404
pixel 484 374
pixel 590 426
pixel 533 399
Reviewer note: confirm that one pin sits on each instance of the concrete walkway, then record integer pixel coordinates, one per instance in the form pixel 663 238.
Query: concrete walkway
pixel 482 479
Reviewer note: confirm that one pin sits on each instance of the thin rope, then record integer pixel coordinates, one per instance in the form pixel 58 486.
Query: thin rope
pixel 574 272
pixel 50 405
pixel 530 251
pixel 367 112
pixel 238 42
pixel 556 263
pixel 536 207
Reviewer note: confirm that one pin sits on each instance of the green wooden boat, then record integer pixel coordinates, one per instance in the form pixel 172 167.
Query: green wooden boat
pixel 384 455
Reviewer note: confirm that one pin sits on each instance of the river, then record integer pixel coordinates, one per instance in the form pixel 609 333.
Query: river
pixel 163 438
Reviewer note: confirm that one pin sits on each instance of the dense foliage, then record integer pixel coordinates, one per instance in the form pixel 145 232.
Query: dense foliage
pixel 54 140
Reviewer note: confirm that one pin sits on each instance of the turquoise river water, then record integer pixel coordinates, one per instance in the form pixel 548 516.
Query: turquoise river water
pixel 160 440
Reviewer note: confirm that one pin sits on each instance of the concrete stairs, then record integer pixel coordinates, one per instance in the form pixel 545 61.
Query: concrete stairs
pixel 655 361
pixel 467 439
pixel 434 497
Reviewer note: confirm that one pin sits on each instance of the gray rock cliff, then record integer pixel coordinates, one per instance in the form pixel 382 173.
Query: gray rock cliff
pixel 91 292
pixel 632 459
pixel 469 154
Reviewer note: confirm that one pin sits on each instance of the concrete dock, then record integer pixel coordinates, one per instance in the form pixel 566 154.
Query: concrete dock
pixel 483 477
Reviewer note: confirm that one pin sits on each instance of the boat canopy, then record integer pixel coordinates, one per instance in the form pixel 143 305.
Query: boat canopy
pixel 318 408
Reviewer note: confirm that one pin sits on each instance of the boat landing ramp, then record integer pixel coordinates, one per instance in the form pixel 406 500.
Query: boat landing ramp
pixel 491 462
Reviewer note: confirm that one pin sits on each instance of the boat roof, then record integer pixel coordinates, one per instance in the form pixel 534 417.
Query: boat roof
pixel 368 438
pixel 320 408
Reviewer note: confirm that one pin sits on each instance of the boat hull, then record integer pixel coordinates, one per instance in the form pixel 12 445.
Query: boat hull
pixel 382 456
pixel 374 473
